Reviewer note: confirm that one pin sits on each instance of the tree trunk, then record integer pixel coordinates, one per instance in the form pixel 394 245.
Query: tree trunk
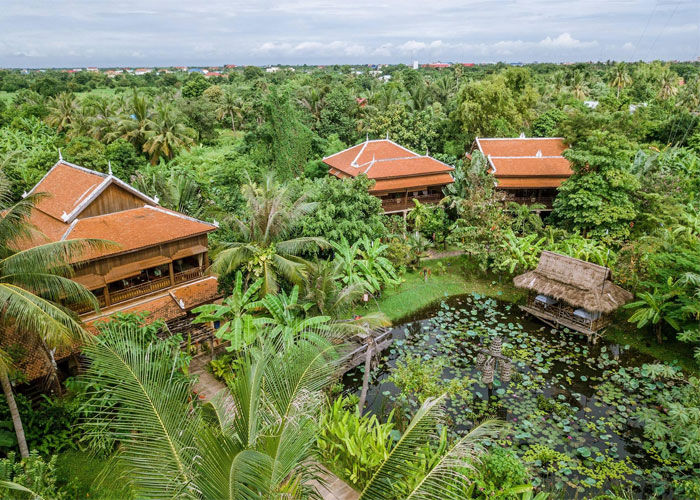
pixel 659 338
pixel 233 126
pixel 14 412
pixel 365 377
pixel 53 374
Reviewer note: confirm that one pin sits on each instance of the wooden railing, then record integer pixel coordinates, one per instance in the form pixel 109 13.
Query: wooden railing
pixel 565 314
pixel 84 308
pixel 133 292
pixel 400 204
pixel 189 275
pixel 138 290
pixel 547 201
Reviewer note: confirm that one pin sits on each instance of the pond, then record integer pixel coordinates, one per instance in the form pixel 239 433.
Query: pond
pixel 572 405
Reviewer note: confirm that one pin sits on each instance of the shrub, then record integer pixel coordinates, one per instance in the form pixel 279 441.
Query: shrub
pixel 33 473
pixel 352 445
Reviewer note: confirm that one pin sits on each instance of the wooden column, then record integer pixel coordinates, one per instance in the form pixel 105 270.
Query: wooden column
pixel 172 273
pixel 108 302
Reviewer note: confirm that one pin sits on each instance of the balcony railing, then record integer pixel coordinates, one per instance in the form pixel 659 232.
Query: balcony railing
pixel 138 290
pixel 400 204
pixel 84 308
pixel 135 291
pixel 189 275
pixel 564 315
pixel 547 201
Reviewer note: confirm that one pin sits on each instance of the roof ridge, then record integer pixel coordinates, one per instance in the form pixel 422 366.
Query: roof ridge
pixel 519 138
pixel 180 215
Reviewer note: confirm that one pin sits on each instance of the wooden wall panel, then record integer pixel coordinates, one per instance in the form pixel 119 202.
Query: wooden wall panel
pixel 101 267
pixel 113 199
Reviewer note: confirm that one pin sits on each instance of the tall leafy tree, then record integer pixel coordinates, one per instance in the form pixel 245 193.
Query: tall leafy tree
pixel 166 135
pixel 599 197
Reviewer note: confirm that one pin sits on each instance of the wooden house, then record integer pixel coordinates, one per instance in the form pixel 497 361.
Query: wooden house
pixel 527 169
pixel 568 292
pixel 157 264
pixel 400 174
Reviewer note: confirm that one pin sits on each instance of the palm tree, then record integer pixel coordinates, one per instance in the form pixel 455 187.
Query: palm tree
pixel 578 85
pixel 231 106
pixel 255 442
pixel 263 250
pixel 448 478
pixel 313 100
pixel 166 135
pixel 418 96
pixel 103 122
pixel 62 110
pixel 324 289
pixel 667 83
pixel 620 77
pixel 258 440
pixel 135 122
pixel 35 289
pixel 654 309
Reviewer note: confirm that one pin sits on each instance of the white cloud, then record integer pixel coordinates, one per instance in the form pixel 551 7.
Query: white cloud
pixel 565 41
pixel 628 46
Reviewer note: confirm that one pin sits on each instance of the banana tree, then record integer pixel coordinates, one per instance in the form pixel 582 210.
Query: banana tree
pixel 238 324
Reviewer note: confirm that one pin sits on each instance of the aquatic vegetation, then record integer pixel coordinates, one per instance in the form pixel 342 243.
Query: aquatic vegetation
pixel 576 410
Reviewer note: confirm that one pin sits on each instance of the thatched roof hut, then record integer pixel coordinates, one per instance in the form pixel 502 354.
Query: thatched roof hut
pixel 576 282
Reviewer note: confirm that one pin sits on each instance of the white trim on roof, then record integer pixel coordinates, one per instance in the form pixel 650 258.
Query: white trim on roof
pixel 68 164
pixel 178 214
pixel 519 139
pixel 519 157
pixel 68 231
pixel 353 163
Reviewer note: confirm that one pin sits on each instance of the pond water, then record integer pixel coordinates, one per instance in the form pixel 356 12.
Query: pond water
pixel 572 405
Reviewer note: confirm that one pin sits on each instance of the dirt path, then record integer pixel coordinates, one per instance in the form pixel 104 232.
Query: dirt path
pixel 434 254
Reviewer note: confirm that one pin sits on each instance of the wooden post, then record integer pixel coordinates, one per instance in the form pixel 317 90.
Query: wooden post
pixel 108 302
pixel 172 273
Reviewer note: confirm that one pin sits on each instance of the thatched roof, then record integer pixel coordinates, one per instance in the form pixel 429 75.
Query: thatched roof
pixel 579 283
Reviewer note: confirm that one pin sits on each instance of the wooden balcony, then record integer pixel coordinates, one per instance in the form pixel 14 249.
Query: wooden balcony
pixel 563 315
pixel 142 289
pixel 392 205
pixel 188 275
pixel 547 201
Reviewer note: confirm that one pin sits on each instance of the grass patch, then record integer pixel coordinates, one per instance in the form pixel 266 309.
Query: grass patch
pixel 449 276
pixel 80 470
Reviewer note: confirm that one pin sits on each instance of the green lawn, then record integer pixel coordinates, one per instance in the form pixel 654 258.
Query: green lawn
pixel 416 292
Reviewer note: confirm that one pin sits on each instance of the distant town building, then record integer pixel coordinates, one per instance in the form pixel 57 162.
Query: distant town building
pixel 143 71
pixel 528 170
pixel 415 64
pixel 436 65
pixel 272 69
pixel 400 174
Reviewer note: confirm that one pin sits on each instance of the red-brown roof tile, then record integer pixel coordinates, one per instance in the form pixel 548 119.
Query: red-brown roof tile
pixel 66 186
pixel 547 146
pixel 137 228
pixel 384 159
pixel 526 162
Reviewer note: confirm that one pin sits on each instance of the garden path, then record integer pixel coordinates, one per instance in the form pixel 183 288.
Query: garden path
pixel 330 487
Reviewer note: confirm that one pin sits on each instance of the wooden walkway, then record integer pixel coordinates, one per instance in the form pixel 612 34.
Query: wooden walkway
pixel 330 487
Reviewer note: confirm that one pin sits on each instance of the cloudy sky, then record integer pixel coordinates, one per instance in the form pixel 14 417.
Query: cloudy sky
pixel 66 33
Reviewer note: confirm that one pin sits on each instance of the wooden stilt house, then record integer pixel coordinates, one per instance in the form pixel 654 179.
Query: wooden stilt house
pixel 568 292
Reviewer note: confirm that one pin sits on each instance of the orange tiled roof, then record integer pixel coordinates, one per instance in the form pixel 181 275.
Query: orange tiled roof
pixel 521 146
pixel 384 159
pixel 556 166
pixel 137 228
pixel 526 162
pixel 71 188
pixel 384 185
pixel 530 182
pixel 66 185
